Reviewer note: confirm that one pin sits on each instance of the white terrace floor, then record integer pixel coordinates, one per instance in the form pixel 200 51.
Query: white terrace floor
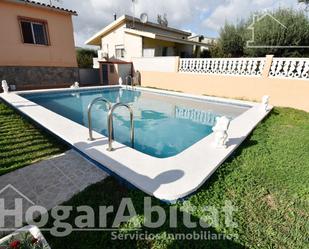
pixel 50 182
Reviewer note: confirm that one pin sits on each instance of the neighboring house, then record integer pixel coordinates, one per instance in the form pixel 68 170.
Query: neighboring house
pixel 125 39
pixel 120 40
pixel 199 51
pixel 36 45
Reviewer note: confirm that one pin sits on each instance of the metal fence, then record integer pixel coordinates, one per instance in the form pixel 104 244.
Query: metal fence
pixel 89 76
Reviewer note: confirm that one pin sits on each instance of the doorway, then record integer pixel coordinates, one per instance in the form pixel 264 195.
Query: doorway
pixel 104 72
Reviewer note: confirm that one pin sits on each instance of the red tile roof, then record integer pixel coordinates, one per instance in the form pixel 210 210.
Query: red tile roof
pixel 39 4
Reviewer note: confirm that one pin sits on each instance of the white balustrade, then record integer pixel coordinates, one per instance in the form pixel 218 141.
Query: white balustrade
pixel 226 66
pixel 291 68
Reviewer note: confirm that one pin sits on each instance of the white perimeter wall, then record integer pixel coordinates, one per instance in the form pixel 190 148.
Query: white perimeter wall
pixel 156 64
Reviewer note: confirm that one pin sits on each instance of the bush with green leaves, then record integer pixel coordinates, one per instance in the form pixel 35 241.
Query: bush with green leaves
pixel 232 41
pixel 85 57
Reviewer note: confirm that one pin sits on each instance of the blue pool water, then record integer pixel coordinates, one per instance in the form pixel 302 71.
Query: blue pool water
pixel 164 125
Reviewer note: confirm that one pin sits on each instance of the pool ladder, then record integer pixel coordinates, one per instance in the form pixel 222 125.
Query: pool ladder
pixel 127 81
pixel 110 126
pixel 131 80
pixel 99 99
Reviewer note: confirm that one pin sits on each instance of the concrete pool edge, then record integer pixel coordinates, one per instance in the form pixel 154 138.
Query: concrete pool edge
pixel 167 179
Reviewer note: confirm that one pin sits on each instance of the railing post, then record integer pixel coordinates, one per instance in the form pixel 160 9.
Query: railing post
pixel 267 67
pixel 177 64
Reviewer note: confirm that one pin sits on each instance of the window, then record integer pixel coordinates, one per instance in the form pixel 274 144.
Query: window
pixel 149 52
pixel 34 32
pixel 119 51
pixel 164 51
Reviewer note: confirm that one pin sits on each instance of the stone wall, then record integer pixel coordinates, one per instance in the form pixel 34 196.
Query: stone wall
pixel 27 78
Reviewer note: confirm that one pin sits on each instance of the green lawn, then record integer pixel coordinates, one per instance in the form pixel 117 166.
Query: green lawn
pixel 21 143
pixel 267 179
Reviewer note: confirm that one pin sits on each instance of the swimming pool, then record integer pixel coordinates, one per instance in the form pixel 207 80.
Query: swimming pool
pixel 164 125
pixel 174 152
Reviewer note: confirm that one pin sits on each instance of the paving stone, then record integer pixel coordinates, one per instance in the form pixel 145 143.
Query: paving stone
pixel 49 183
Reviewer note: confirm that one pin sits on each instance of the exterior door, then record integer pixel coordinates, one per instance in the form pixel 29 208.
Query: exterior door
pixel 104 72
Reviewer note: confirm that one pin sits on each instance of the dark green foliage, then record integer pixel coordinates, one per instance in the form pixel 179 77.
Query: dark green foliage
pixel 232 40
pixel 278 30
pixel 216 51
pixel 84 57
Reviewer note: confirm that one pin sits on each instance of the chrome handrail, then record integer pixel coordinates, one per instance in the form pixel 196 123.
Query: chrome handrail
pixel 111 128
pixel 89 113
pixel 127 79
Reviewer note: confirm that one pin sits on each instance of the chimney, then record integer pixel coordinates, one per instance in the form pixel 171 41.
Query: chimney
pixel 115 16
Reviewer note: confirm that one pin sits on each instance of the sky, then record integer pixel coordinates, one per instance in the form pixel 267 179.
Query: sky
pixel 203 17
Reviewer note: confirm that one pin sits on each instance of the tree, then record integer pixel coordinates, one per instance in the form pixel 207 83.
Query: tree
pixel 279 32
pixel 216 51
pixel 276 33
pixel 231 42
pixel 85 57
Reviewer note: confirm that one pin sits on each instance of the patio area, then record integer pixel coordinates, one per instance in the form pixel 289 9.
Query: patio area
pixel 50 182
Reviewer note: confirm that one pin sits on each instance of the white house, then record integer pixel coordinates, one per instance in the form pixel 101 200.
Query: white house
pixel 126 38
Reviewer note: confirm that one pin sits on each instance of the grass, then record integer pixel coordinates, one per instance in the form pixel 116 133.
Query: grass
pixel 21 143
pixel 266 179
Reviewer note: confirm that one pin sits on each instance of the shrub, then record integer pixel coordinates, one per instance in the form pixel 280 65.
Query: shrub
pixel 85 57
pixel 283 27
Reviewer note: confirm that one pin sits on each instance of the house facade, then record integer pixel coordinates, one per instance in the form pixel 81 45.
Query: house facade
pixel 36 45
pixel 126 38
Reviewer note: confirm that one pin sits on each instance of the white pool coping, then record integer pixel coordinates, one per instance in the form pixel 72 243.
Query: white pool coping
pixel 167 179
